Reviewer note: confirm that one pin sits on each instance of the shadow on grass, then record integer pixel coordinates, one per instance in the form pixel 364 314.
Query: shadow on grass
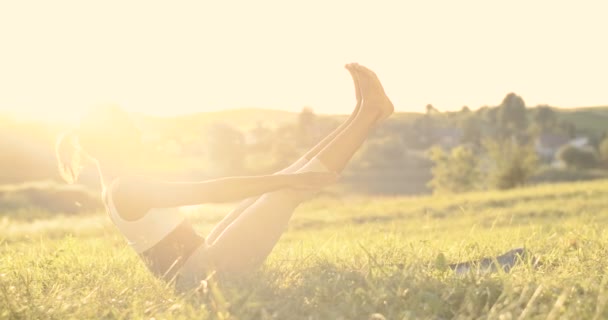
pixel 328 291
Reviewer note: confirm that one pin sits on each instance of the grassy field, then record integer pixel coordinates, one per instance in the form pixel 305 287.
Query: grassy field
pixel 356 258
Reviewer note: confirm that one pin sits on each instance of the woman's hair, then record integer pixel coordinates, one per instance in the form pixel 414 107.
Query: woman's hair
pixel 103 134
pixel 69 156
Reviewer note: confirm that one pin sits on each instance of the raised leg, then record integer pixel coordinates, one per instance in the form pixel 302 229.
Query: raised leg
pixel 236 212
pixel 247 241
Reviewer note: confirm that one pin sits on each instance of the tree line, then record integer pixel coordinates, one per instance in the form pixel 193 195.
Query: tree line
pixel 493 147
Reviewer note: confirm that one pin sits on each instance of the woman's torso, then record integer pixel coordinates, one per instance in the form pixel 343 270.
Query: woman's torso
pixel 162 237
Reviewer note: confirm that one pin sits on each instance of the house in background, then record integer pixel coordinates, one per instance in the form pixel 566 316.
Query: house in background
pixel 580 142
pixel 548 144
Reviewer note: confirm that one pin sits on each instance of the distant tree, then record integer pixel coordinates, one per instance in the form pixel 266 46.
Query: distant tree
pixel 491 115
pixel 545 118
pixel 386 152
pixel 307 126
pixel 511 164
pixel 454 172
pixel 262 138
pixel 471 127
pixel 284 151
pixel 409 134
pixel 226 148
pixel 567 127
pixel 577 158
pixel 424 129
pixel 604 150
pixel 307 117
pixel 512 116
pixel 593 140
pixel 488 119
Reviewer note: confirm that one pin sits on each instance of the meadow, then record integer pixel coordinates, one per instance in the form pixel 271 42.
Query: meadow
pixel 342 258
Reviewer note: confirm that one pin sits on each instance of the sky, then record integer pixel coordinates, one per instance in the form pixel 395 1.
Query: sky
pixel 58 58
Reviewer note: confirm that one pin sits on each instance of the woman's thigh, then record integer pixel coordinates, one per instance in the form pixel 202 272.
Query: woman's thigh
pixel 245 243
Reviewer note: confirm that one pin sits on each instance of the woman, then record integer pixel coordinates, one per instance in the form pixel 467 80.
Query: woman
pixel 144 210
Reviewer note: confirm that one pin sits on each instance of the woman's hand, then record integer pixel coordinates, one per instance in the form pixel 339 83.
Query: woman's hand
pixel 312 180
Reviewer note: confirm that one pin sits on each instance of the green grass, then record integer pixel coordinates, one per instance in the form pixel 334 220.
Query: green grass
pixel 341 259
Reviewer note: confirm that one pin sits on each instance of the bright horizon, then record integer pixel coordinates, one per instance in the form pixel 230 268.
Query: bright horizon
pixel 61 57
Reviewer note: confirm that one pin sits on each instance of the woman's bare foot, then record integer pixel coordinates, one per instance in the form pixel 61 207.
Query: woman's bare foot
pixel 372 92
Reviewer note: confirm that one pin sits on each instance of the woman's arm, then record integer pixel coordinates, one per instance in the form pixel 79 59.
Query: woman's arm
pixel 138 195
